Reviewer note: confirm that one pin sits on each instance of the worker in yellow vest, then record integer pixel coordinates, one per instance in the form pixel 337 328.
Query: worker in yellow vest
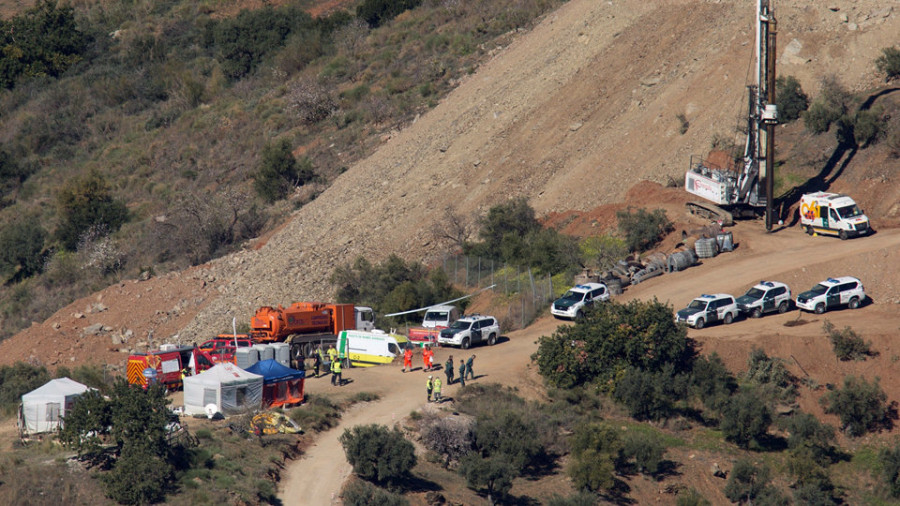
pixel 428 386
pixel 336 373
pixel 436 386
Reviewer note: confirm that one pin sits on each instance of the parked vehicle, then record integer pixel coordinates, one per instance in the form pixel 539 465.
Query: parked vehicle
pixel 165 365
pixel 222 347
pixel 305 325
pixel 765 297
pixel 470 330
pixel 436 318
pixel 707 309
pixel 573 303
pixel 832 214
pixel 368 348
pixel 831 293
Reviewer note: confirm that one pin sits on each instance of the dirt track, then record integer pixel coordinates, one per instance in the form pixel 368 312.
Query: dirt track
pixel 787 255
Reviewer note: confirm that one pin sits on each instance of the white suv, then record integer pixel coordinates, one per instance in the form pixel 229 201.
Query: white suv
pixel 831 293
pixel 765 297
pixel 573 302
pixel 708 309
pixel 470 330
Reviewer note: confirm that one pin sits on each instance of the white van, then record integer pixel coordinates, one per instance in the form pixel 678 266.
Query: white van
pixel 438 317
pixel 832 214
pixel 368 348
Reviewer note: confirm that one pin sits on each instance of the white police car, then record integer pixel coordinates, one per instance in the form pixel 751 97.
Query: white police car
pixel 765 297
pixel 707 309
pixel 470 330
pixel 831 293
pixel 573 302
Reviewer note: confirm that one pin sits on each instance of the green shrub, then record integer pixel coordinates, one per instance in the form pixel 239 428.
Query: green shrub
pixel 869 126
pixel 279 173
pixel 691 497
pixel 889 461
pixel 646 450
pixel 602 251
pixel 750 484
pixel 772 375
pixel 42 41
pixel 745 418
pixel 643 230
pixel 492 475
pixel 363 493
pixel 18 379
pixel 807 434
pixel 711 381
pixel 612 337
pixel 595 454
pixel 861 406
pixel 22 253
pixel 650 395
pixel 889 62
pixel 87 202
pixel 847 344
pixel 818 118
pixel 792 101
pixel 379 12
pixel 377 453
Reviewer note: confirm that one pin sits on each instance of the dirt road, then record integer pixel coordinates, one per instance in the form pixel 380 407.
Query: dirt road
pixel 787 255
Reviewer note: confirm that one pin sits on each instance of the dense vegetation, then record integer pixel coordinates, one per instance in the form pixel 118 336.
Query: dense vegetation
pixel 155 137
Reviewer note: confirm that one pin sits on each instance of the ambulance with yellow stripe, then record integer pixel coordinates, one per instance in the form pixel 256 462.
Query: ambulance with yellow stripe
pixel 832 214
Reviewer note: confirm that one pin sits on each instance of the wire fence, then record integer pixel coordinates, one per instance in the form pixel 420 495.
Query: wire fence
pixel 526 294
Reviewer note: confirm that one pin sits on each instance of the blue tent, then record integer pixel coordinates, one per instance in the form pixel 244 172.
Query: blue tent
pixel 274 372
pixel 281 385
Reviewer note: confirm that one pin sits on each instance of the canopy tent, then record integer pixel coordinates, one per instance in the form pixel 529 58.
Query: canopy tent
pixel 43 409
pixel 281 385
pixel 231 389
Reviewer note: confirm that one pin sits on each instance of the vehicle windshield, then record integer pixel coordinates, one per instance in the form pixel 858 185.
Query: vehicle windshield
pixel 460 325
pixel 437 316
pixel 754 293
pixel 697 304
pixel 574 296
pixel 818 289
pixel 849 212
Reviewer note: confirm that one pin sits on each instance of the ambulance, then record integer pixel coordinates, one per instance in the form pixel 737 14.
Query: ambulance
pixel 832 214
pixel 368 348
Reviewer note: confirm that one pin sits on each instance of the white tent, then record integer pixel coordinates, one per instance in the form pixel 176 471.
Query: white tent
pixel 43 408
pixel 232 389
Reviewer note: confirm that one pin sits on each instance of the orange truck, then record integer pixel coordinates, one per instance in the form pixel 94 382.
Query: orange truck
pixel 165 365
pixel 305 325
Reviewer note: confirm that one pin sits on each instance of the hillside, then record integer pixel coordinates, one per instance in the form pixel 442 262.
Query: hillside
pixel 570 116
pixel 579 116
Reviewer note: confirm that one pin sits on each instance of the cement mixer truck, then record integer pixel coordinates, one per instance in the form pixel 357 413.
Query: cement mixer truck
pixel 305 325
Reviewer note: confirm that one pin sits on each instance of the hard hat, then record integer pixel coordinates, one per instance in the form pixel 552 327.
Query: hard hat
pixel 429 377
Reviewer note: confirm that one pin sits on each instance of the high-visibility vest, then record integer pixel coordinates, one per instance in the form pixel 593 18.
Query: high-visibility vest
pixel 336 367
pixel 428 384
pixel 332 353
pixel 437 385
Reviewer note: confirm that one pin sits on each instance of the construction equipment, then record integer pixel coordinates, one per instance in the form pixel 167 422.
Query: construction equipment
pixel 745 192
pixel 305 325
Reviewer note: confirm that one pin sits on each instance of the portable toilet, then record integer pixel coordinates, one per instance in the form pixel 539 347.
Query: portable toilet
pixel 246 357
pixel 282 353
pixel 266 352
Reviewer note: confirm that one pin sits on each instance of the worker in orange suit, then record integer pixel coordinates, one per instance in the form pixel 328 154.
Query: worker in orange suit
pixel 407 359
pixel 427 357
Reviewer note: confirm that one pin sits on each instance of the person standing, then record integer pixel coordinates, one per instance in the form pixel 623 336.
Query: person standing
pixel 317 359
pixel 407 358
pixel 462 373
pixel 427 357
pixel 469 370
pixel 336 378
pixel 436 385
pixel 332 354
pixel 428 386
pixel 448 369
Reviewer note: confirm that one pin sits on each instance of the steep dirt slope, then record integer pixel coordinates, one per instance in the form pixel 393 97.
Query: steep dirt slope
pixel 570 116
